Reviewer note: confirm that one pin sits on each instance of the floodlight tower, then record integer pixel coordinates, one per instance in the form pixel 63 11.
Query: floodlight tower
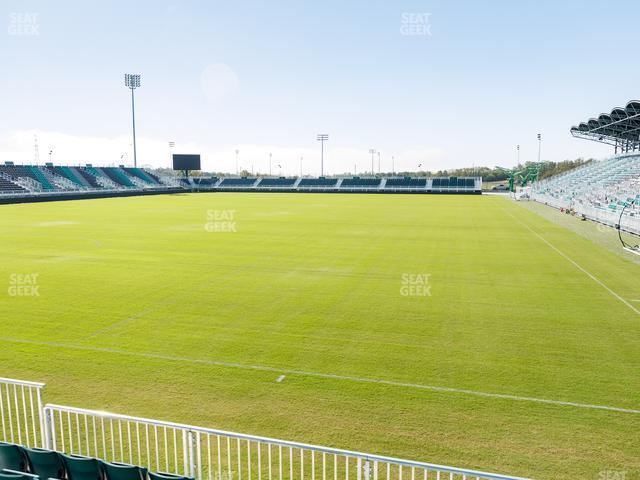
pixel 372 152
pixel 539 146
pixel 518 150
pixel 132 81
pixel 322 137
pixel 237 152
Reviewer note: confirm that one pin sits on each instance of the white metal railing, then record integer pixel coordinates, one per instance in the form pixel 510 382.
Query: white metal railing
pixel 209 454
pixel 202 453
pixel 21 420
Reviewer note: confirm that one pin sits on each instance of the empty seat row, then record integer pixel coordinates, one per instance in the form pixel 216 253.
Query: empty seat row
pixel 8 186
pixel 360 182
pixel 22 463
pixel 205 181
pixel 453 182
pixel 318 182
pixel 238 182
pixel 406 182
pixel 277 182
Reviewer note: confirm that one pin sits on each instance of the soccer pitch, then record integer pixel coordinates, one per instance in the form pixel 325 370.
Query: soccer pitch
pixel 461 330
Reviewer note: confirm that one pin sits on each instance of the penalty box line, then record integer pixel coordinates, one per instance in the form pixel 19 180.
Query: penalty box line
pixel 573 262
pixel 331 376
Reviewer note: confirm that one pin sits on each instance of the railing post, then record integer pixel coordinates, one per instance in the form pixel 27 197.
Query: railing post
pixel 367 470
pixel 193 449
pixel 41 414
pixel 185 451
pixel 46 428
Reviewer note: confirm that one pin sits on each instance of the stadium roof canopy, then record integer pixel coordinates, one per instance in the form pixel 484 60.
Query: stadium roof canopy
pixel 620 128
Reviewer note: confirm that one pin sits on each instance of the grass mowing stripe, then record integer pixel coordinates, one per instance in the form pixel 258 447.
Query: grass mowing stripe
pixel 573 262
pixel 266 368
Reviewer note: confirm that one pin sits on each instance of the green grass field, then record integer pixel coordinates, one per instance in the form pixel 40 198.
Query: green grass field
pixel 143 311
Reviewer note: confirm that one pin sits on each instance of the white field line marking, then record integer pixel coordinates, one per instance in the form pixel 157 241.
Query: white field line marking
pixel 280 378
pixel 264 368
pixel 575 264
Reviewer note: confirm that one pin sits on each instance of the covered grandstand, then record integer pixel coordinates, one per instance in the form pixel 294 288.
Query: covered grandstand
pixel 620 128
pixel 606 191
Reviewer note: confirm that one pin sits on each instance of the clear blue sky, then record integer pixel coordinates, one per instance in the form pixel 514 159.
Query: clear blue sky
pixel 489 75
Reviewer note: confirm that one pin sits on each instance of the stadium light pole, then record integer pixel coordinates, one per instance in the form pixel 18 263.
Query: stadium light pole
pixel 132 81
pixel 172 145
pixel 372 152
pixel 378 163
pixel 539 146
pixel 301 158
pixel 518 150
pixel 270 155
pixel 322 137
pixel 237 152
pixel 393 165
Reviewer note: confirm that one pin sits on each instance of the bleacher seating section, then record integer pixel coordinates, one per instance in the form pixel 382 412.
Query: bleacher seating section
pixel 116 176
pixel 238 182
pixel 205 181
pixel 277 182
pixel 142 175
pixel 452 183
pixel 7 186
pixel 599 190
pixel 406 182
pixel 360 182
pixel 90 179
pixel 26 171
pixel 24 179
pixel 318 182
pixel 22 463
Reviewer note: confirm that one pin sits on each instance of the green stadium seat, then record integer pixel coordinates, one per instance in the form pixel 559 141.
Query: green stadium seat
pixel 79 467
pixel 45 463
pixel 4 475
pixel 123 471
pixel 12 458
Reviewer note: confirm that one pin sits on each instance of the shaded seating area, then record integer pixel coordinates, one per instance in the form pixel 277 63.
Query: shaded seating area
pixel 28 171
pixel 117 176
pixel 9 186
pixel 142 175
pixel 238 182
pixel 277 182
pixel 406 182
pixel 23 463
pixel 357 182
pixel 320 182
pixel 453 183
pixel 205 181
